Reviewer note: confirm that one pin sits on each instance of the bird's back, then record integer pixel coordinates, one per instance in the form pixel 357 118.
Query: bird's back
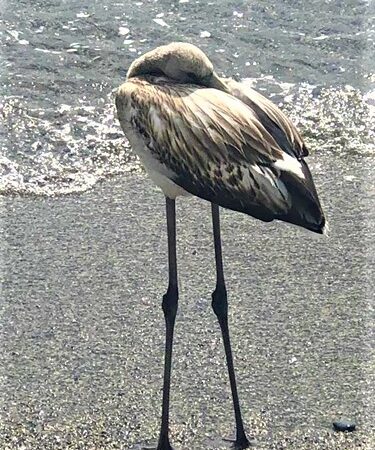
pixel 220 148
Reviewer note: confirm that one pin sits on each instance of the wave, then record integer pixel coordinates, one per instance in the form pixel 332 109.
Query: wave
pixel 71 148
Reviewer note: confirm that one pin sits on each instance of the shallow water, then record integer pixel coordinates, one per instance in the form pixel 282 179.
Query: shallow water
pixel 62 60
pixel 83 274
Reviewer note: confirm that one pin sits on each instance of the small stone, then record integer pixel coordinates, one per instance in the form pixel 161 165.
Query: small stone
pixel 205 34
pixel 343 426
pixel 161 22
pixel 123 31
pixel 82 14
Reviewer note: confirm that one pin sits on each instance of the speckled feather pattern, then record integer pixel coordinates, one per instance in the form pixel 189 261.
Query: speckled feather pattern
pixel 218 147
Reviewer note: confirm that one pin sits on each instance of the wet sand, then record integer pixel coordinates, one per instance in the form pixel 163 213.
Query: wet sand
pixel 82 331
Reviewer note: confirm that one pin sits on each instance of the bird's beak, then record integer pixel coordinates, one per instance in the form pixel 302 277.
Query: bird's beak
pixel 216 82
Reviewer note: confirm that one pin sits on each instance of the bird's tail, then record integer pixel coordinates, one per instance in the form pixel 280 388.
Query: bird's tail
pixel 306 210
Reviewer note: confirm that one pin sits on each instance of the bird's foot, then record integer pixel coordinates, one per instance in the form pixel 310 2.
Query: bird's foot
pixel 162 445
pixel 240 443
pixel 166 446
pixel 150 447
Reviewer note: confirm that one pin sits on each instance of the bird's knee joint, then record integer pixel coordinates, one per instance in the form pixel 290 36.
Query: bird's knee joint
pixel 170 303
pixel 220 301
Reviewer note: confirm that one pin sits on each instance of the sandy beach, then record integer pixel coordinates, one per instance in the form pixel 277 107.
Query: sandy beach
pixel 82 329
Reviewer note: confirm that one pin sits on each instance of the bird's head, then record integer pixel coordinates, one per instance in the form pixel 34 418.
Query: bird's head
pixel 180 61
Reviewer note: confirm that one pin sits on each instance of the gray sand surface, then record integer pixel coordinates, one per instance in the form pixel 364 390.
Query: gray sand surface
pixel 82 331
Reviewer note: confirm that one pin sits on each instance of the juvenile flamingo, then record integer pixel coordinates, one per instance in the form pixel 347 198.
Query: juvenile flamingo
pixel 197 133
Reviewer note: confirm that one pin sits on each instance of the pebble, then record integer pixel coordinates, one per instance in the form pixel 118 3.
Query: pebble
pixel 161 22
pixel 205 34
pixel 123 31
pixel 343 426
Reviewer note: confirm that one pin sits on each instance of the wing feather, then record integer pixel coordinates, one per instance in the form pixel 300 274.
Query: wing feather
pixel 212 144
pixel 274 120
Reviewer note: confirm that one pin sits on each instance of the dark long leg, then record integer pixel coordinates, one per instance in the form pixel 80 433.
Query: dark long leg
pixel 170 303
pixel 220 307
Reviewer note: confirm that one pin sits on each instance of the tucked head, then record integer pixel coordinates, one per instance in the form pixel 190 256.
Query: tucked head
pixel 182 62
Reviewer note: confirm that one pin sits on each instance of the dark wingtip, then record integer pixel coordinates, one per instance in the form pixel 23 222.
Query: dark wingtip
pixel 316 224
pixel 322 228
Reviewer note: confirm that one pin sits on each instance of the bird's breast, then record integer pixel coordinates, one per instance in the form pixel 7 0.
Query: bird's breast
pixel 135 129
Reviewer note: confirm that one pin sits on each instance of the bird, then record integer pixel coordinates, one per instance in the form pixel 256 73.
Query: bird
pixel 200 134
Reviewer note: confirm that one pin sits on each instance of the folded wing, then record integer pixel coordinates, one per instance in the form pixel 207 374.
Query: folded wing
pixel 216 147
pixel 272 118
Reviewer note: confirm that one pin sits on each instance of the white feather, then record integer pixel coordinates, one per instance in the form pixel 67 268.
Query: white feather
pixel 290 164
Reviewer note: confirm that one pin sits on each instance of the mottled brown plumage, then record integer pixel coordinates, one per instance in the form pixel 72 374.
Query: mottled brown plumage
pixel 215 138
